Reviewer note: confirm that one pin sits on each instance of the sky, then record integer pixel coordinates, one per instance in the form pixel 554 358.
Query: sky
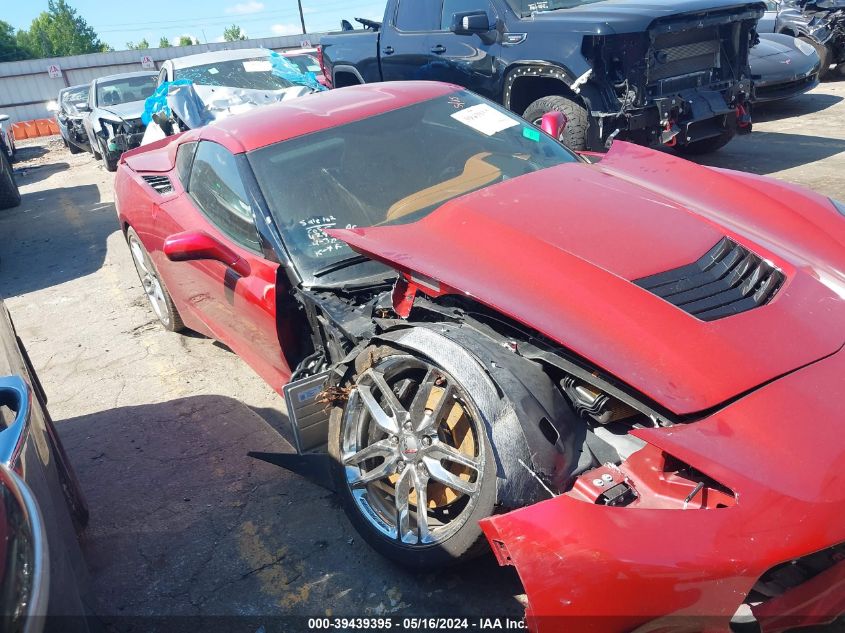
pixel 125 21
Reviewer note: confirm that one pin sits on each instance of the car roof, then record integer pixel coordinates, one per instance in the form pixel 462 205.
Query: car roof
pixel 189 61
pixel 298 51
pixel 316 112
pixel 142 73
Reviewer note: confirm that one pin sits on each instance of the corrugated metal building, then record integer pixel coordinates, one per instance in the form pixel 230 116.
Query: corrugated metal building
pixel 26 87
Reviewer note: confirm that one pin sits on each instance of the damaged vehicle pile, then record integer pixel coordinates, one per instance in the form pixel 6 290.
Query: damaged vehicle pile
pixel 611 409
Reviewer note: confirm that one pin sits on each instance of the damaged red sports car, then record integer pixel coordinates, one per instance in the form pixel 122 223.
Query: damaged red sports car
pixel 622 372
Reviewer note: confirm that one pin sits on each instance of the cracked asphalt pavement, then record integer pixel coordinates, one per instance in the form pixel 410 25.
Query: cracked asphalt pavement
pixel 158 425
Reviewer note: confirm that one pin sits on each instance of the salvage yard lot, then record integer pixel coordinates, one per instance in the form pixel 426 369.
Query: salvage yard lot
pixel 158 425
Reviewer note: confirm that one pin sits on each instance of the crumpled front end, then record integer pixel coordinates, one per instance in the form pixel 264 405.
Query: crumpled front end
pixel 685 79
pixel 738 513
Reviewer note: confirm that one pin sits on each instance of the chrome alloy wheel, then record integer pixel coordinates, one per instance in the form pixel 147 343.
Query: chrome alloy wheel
pixel 412 451
pixel 149 280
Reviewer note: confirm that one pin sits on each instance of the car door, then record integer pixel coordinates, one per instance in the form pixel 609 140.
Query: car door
pixel 406 42
pixel 466 60
pixel 238 310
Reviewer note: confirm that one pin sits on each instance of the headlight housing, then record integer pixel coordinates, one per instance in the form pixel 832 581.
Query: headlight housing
pixel 804 47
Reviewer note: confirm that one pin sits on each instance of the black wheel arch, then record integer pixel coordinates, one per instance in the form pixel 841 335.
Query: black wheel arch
pixel 517 399
pixel 527 81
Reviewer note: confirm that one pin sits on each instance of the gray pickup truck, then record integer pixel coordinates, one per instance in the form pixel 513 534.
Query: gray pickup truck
pixel 671 72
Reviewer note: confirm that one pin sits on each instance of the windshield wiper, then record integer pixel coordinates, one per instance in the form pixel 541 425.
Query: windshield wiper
pixel 341 264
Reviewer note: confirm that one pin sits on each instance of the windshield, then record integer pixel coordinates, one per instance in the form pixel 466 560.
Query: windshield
pixel 75 95
pixel 306 63
pixel 255 74
pixel 393 168
pixel 125 90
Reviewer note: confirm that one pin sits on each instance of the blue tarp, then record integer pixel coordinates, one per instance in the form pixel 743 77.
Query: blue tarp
pixel 289 71
pixel 158 101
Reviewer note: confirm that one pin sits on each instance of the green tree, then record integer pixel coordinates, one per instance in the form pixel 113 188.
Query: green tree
pixel 143 44
pixel 9 49
pixel 164 43
pixel 233 34
pixel 59 31
pixel 186 40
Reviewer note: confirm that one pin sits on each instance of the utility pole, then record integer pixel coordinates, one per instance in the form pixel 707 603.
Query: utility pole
pixel 301 16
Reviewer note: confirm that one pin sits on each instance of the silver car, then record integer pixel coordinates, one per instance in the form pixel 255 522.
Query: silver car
pixel 113 118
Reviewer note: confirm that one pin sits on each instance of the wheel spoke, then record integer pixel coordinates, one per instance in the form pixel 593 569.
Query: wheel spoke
pixel 378 449
pixel 138 256
pixel 403 514
pixel 440 450
pixel 385 469
pixel 438 473
pixel 420 401
pixel 387 422
pixel 420 486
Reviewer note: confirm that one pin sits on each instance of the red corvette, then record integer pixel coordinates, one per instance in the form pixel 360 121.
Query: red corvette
pixel 622 373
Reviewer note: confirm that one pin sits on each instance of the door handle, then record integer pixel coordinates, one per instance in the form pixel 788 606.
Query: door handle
pixel 15 394
pixel 438 50
pixel 388 50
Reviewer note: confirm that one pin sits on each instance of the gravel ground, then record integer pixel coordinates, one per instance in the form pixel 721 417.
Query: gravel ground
pixel 158 425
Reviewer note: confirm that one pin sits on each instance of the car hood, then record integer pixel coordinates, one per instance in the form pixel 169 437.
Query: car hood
pixel 559 250
pixel 623 16
pixel 771 48
pixel 125 111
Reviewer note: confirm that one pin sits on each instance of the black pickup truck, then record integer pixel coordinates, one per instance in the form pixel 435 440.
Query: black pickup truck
pixel 671 72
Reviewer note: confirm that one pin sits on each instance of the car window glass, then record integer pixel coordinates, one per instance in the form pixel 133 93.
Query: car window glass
pixel 217 188
pixel 451 7
pixel 771 6
pixel 125 90
pixel 346 176
pixel 184 158
pixel 417 15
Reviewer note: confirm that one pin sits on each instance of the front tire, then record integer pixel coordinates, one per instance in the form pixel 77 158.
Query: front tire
pixel 410 437
pixel 154 288
pixel 707 145
pixel 575 134
pixel 109 159
pixel 73 148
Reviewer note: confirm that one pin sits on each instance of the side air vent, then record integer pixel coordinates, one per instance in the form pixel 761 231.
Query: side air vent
pixel 161 184
pixel 727 280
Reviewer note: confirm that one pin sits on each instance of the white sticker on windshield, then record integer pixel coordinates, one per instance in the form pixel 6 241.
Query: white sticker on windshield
pixel 485 119
pixel 213 71
pixel 258 66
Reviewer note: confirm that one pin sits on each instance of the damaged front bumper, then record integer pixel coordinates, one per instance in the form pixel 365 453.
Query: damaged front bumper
pixel 665 561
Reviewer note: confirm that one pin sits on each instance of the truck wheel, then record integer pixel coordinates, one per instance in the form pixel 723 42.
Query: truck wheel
pixel 707 145
pixel 412 462
pixel 575 134
pixel 10 196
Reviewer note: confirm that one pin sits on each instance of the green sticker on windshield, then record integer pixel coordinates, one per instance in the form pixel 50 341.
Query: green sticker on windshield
pixel 531 134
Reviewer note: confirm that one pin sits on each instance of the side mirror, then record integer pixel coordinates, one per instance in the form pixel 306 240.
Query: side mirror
pixel 196 245
pixel 469 22
pixel 4 117
pixel 83 107
pixel 554 123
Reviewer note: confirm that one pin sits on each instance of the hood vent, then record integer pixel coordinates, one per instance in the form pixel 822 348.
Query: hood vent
pixel 727 280
pixel 161 184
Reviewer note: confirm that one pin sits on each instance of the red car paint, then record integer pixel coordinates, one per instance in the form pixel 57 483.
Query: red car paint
pixel 566 270
pixel 557 250
pixel 778 449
